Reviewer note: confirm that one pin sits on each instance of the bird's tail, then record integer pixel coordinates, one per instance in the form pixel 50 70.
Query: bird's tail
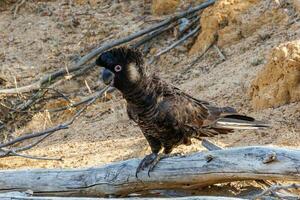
pixel 236 121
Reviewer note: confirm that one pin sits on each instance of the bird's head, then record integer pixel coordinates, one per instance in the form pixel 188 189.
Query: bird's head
pixel 122 67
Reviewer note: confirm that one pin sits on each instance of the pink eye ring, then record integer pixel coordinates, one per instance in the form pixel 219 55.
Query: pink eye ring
pixel 118 68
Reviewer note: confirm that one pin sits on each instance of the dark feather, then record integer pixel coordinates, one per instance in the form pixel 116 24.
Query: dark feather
pixel 166 115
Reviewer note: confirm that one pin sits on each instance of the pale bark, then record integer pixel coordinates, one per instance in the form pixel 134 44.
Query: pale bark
pixel 24 196
pixel 198 169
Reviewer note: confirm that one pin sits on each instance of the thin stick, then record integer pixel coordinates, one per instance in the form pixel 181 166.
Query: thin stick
pixel 18 5
pixel 82 71
pixel 77 66
pixel 178 42
pixel 200 56
pixel 156 33
pixel 80 102
pixel 13 153
pixel 12 109
pixel 34 98
pixel 210 146
pixel 60 94
pixel 222 56
pixel 175 44
pixel 152 35
pixel 37 96
pixel 33 144
pixel 87 86
pixel 188 27
pixel 49 78
pixel 22 108
pixel 33 135
pixel 55 128
pixel 8 152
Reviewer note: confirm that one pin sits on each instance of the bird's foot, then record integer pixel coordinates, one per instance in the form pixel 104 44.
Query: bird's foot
pixel 149 161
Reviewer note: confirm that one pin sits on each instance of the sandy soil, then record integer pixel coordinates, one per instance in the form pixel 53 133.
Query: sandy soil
pixel 48 35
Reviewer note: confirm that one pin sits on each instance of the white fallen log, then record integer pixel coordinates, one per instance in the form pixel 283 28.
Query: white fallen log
pixel 191 171
pixel 24 196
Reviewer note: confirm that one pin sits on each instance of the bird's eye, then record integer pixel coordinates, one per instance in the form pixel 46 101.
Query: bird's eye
pixel 118 68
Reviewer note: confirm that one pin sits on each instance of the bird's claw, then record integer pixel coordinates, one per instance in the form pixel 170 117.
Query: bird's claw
pixel 149 161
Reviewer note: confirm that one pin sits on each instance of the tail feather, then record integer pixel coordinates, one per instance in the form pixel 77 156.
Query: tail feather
pixel 236 121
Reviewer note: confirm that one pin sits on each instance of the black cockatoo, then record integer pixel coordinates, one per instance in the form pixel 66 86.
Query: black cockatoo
pixel 167 116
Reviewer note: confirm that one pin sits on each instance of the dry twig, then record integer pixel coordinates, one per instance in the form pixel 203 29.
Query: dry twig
pixel 46 132
pixel 152 35
pixel 159 31
pixel 13 153
pixel 47 79
pixel 200 56
pixel 222 56
pixel 85 100
pixel 210 146
pixel 175 44
pixel 188 26
pixel 17 7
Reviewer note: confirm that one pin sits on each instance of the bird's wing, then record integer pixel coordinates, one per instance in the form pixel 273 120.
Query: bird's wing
pixel 168 89
pixel 183 111
pixel 199 118
pixel 193 115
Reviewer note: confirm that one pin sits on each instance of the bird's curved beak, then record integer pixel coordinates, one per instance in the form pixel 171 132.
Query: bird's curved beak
pixel 107 76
